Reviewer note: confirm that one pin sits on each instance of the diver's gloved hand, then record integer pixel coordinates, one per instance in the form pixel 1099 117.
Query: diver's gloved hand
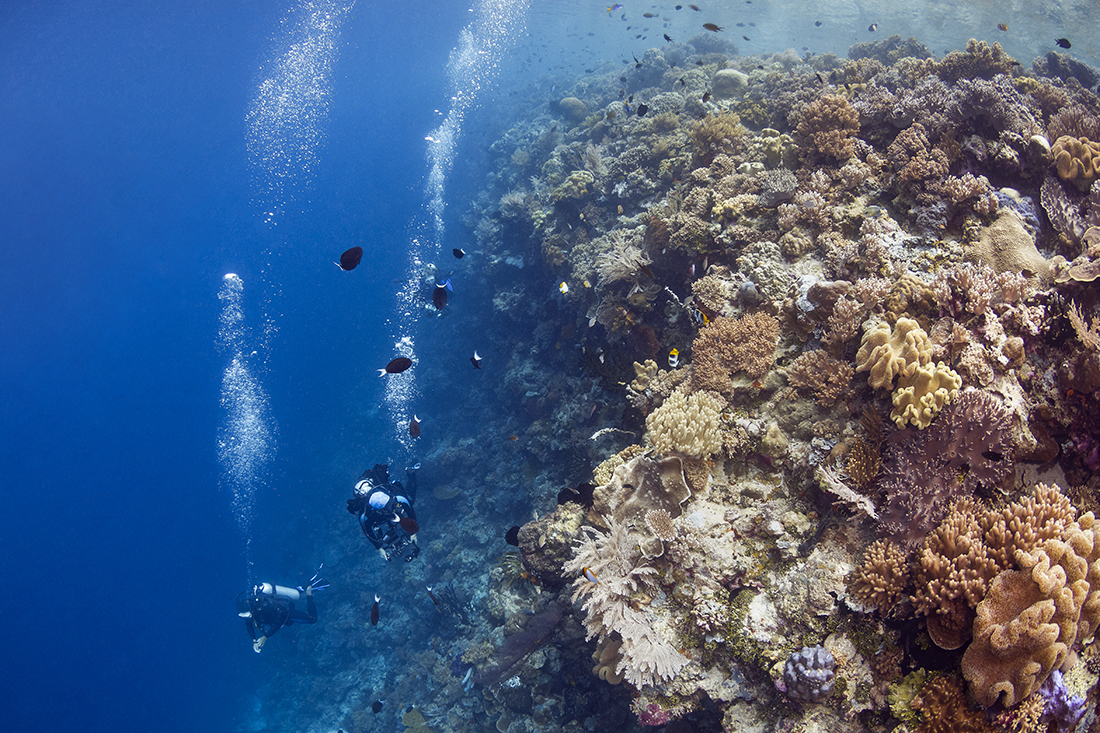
pixel 259 644
pixel 384 553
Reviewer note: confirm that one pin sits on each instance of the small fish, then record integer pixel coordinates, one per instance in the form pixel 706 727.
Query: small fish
pixel 591 576
pixel 648 15
pixel 817 23
pixel 396 366
pixel 475 360
pixel 706 97
pixel 712 27
pixel 642 109
pixel 873 27
pixel 350 259
pixel 1002 26
pixel 694 7
pixel 374 611
pixel 376 707
pixel 435 600
pixel 746 38
pixel 1063 42
pixel 622 93
pixel 564 287
pixel 414 427
pixel 407 523
pixel 513 438
pixel 616 6
pixel 682 82
pixel 619 208
pixel 458 253
pixel 630 99
pixel 439 297
pixel 698 63
pixel 679 7
pixel 623 78
pixel 611 115
pixel 512 536
pixel 674 358
pixel 820 78
pixel 667 38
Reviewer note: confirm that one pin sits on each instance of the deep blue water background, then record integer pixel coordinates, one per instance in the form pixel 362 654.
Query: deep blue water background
pixel 125 196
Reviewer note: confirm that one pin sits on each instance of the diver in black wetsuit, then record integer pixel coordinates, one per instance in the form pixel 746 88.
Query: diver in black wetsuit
pixel 268 608
pixel 385 511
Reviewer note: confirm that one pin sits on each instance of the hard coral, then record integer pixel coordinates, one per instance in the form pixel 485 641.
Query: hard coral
pixel 979 60
pixel 827 127
pixel 823 375
pixel 637 487
pixel 808 674
pixel 726 346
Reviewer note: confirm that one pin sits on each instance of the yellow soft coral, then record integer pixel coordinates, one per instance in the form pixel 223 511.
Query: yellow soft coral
pixel 887 354
pixel 922 394
pixel 1077 160
pixel 688 424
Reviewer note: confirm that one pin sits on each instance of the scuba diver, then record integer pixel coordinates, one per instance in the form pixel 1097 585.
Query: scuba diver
pixel 385 512
pixel 267 608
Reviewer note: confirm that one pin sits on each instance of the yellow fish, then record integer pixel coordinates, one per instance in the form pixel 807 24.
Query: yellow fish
pixel 564 287
pixel 674 358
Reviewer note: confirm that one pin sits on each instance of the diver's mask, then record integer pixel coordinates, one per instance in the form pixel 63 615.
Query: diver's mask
pixel 244 610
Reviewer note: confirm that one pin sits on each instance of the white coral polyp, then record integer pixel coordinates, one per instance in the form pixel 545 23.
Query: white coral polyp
pixel 690 425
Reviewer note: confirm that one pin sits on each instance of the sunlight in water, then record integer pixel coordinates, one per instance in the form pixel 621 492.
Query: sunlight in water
pixel 246 436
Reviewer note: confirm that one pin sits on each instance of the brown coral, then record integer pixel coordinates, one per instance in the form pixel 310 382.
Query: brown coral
pixel 882 577
pixel 823 375
pixel 727 345
pixel 943 709
pixel 660 524
pixel 827 128
pixel 955 570
pixel 979 60
pixel 863 462
pixel 1077 160
pixel 720 133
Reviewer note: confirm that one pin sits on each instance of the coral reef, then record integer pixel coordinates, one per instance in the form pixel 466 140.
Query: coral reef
pixel 808 674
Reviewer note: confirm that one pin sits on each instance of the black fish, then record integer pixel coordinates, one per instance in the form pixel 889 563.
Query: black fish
pixel 706 97
pixel 1063 42
pixel 376 707
pixel 407 523
pixel 351 258
pixel 679 7
pixel 698 63
pixel 682 82
pixel 667 38
pixel 396 366
pixel 623 78
pixel 746 38
pixel 414 427
pixel 642 109
pixel 439 297
pixel 817 23
pixel 374 612
pixel 712 27
pixel 475 360
pixel 512 536
pixel 873 27
pixel 458 253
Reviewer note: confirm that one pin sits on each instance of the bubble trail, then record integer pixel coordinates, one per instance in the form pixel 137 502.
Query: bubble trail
pixel 246 436
pixel 473 65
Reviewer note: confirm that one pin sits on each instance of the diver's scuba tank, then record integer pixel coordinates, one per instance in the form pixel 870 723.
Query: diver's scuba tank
pixel 269 589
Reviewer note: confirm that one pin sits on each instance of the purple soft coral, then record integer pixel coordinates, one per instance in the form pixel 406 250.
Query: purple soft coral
pixel 1063 710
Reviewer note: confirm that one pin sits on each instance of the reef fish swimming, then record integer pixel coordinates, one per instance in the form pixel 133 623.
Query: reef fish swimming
pixel 396 366
pixel 591 576
pixel 439 295
pixel 712 27
pixel 414 427
pixel 407 523
pixel 350 259
pixel 475 360
pixel 458 253
pixel 374 611
pixel 376 707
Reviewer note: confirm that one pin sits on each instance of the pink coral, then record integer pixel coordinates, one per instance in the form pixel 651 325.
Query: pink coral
pixel 653 714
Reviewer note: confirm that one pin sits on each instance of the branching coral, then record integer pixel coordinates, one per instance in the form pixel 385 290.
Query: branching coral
pixel 726 346
pixel 882 577
pixel 622 574
pixel 827 127
pixel 823 375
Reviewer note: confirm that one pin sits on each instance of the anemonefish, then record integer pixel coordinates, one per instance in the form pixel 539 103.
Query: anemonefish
pixel 591 576
pixel 374 612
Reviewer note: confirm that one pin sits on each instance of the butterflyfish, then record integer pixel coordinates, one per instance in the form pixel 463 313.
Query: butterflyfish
pixel 475 360
pixel 374 611
pixel 674 358
pixel 591 576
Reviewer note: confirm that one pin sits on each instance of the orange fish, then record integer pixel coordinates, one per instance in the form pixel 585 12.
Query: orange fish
pixel 513 437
